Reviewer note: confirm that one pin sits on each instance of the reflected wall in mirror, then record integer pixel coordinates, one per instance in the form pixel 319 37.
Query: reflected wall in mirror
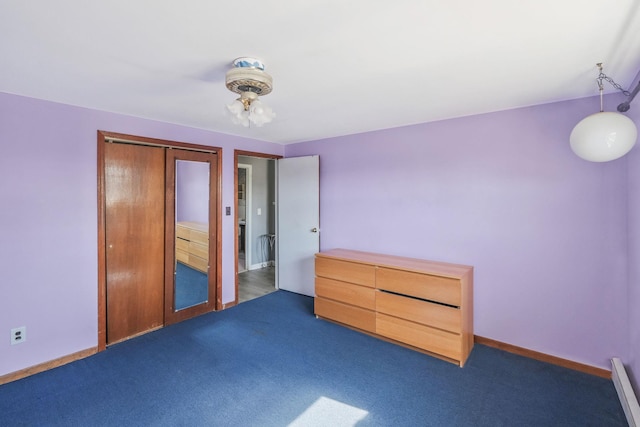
pixel 192 234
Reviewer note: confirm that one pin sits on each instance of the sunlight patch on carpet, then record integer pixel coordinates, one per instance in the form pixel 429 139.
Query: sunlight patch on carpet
pixel 329 412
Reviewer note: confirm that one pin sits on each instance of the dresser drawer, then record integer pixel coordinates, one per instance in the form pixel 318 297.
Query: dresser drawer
pixel 434 340
pixel 183 232
pixel 198 263
pixel 427 313
pixel 182 245
pixel 199 250
pixel 182 256
pixel 198 236
pixel 425 286
pixel 360 274
pixel 192 234
pixel 347 314
pixel 348 293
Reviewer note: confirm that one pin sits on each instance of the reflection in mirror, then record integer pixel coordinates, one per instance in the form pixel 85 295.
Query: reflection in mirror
pixel 192 234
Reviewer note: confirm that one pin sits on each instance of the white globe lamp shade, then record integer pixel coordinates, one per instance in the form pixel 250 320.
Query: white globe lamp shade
pixel 603 136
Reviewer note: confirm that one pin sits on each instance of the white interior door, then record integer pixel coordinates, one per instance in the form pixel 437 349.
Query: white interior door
pixel 298 223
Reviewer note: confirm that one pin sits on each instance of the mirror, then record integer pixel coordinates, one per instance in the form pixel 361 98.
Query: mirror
pixel 191 266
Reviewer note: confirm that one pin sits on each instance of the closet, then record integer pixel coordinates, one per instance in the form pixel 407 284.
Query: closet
pixel 147 190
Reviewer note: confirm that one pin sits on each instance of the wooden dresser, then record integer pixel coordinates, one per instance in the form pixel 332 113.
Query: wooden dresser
pixel 425 305
pixel 192 245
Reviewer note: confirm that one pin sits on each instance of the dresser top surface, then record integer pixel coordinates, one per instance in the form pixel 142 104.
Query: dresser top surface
pixel 392 261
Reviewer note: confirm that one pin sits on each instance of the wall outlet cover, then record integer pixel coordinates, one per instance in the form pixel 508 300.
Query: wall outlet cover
pixel 18 335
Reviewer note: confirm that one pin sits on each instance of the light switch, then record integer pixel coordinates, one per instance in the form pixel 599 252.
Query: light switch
pixel 259 211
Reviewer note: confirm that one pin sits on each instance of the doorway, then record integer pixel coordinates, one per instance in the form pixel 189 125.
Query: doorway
pixel 150 222
pixel 292 248
pixel 255 224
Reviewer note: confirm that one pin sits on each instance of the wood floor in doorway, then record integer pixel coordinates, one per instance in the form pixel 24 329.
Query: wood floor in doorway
pixel 256 283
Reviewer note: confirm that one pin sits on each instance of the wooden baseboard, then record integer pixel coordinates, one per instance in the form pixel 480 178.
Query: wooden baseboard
pixel 47 365
pixel 587 369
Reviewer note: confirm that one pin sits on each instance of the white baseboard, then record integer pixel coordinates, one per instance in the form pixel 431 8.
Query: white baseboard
pixel 626 395
pixel 262 265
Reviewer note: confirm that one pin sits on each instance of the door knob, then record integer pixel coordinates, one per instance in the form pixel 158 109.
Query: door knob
pixel 314 230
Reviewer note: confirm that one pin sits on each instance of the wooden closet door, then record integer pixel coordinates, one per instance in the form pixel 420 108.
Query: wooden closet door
pixel 134 231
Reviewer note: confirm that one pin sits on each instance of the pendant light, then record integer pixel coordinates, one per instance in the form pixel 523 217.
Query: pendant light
pixel 604 136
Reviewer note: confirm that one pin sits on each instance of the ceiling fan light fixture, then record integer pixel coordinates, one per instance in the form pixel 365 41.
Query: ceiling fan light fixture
pixel 236 107
pixel 248 78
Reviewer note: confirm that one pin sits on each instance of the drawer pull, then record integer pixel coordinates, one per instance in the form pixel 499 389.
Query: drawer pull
pixel 419 299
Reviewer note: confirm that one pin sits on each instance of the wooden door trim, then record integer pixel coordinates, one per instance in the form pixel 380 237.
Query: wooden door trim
pixel 102 138
pixel 102 259
pixel 236 154
pixel 155 142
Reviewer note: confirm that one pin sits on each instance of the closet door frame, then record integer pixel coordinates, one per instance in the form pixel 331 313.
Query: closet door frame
pixel 105 137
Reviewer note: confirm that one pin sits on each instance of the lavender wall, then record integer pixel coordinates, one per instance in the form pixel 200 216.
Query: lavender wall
pixel 545 230
pixel 48 249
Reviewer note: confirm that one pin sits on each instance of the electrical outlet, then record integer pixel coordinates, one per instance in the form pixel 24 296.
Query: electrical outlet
pixel 18 335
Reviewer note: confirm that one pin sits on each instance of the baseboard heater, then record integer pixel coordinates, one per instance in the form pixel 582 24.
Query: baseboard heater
pixel 625 392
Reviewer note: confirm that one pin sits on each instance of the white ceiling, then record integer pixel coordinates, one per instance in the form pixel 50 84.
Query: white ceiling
pixel 339 67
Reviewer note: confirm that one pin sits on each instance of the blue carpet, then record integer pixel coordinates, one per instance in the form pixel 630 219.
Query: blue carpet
pixel 192 287
pixel 270 362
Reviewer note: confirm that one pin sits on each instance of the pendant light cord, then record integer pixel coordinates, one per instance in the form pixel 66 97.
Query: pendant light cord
pixel 601 76
pixel 630 95
pixel 601 101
